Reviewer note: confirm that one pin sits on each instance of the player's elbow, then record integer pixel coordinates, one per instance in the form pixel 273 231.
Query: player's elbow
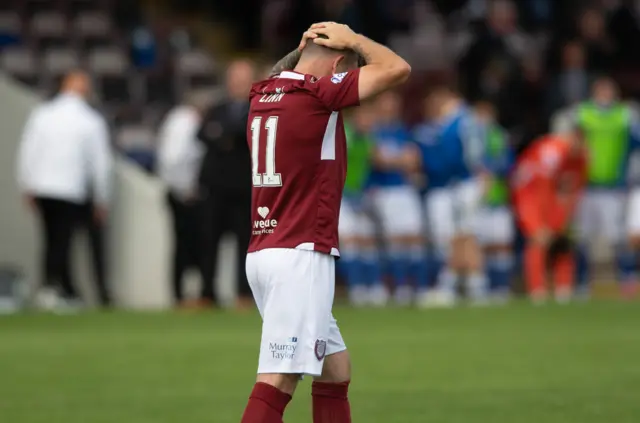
pixel 375 79
pixel 399 72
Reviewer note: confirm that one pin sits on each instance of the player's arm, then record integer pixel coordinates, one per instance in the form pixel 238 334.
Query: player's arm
pixel 406 160
pixel 383 70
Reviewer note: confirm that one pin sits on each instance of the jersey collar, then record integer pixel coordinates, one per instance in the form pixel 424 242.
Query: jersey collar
pixel 291 75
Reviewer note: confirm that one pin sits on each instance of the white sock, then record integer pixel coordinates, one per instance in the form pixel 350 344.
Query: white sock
pixel 447 280
pixel 358 295
pixel 378 295
pixel 477 285
pixel 403 295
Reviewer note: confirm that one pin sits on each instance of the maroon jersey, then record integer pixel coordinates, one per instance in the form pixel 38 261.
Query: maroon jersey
pixel 298 151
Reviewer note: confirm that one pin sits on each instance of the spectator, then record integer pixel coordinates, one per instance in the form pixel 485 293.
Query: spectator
pixel 144 50
pixel 179 159
pixel 571 84
pixel 533 94
pixel 226 177
pixel 591 30
pixel 490 68
pixel 64 154
pixel 624 27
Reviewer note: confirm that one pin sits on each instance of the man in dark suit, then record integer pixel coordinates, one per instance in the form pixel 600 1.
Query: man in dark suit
pixel 225 178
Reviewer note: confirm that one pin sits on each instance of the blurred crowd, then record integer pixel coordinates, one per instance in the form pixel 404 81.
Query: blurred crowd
pixel 515 70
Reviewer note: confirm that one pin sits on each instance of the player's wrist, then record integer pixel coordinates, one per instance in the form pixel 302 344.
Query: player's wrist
pixel 355 41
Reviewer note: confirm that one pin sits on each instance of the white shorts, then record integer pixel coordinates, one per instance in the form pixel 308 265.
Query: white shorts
pixel 398 209
pixel 294 292
pixel 495 226
pixel 633 213
pixel 354 222
pixel 453 211
pixel 601 215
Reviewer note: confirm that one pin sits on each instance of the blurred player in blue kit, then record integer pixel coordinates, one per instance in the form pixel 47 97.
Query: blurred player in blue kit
pixel 495 226
pixel 360 262
pixel 436 176
pixel 457 184
pixel 396 200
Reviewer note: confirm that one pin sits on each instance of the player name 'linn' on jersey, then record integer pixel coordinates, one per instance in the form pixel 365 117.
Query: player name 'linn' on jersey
pixel 298 150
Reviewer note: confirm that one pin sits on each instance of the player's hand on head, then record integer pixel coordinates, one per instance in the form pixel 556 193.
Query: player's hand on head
pixel 338 36
pixel 308 35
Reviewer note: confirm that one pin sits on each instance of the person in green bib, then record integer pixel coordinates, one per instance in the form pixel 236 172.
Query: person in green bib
pixel 610 128
pixel 359 261
pixel 495 220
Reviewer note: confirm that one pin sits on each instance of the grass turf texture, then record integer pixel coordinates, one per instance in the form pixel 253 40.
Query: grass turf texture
pixel 579 363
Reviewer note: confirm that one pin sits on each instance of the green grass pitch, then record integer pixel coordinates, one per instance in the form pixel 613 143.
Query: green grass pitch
pixel 516 364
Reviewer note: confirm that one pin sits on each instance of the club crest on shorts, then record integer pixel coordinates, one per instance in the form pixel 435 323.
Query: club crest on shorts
pixel 320 349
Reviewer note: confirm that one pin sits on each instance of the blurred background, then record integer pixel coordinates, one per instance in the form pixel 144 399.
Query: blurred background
pixel 531 60
pixel 140 202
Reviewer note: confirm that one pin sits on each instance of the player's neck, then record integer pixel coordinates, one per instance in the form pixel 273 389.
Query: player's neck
pixel 308 66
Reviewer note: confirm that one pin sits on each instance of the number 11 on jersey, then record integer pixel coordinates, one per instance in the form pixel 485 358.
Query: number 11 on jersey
pixel 269 178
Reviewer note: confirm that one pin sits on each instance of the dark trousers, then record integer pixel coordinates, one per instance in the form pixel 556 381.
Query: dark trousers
pixel 95 230
pixel 226 211
pixel 187 253
pixel 60 219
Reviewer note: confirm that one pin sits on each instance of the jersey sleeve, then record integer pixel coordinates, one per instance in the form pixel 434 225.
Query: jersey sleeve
pixel 340 90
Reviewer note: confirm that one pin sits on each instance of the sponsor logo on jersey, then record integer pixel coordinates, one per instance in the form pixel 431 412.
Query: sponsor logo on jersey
pixel 320 349
pixel 338 77
pixel 265 225
pixel 285 350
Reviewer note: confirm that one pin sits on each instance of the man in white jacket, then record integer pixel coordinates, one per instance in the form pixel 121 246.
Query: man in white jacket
pixel 64 155
pixel 179 159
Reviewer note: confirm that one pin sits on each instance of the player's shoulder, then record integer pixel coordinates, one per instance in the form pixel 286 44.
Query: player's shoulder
pixel 312 82
pixel 315 83
pixel 287 82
